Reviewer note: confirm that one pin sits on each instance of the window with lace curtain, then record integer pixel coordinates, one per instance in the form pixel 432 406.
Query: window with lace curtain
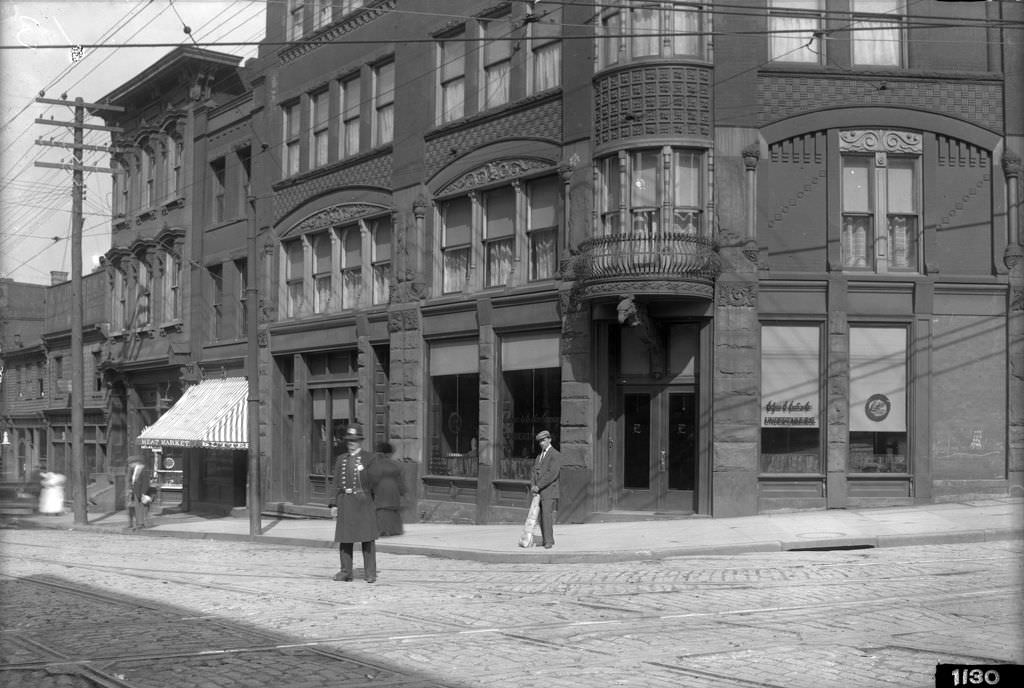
pixel 290 125
pixel 456 239
pixel 542 227
pixel 497 60
pixel 319 117
pixel 384 103
pixel 351 241
pixel 322 271
pixel 794 31
pixel 294 277
pixel 545 47
pixel 348 139
pixel 452 74
pixel 142 303
pixel 499 206
pixel 876 32
pixel 380 232
pixel 881 194
pixel 171 287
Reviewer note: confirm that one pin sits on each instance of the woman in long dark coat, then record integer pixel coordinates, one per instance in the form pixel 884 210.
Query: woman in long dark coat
pixel 387 486
pixel 353 506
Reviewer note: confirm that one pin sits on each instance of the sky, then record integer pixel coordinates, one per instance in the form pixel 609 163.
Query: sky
pixel 35 203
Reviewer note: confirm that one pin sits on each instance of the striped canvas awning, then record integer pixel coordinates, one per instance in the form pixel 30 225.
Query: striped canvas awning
pixel 212 414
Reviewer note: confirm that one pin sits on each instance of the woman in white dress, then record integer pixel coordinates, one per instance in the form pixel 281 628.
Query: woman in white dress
pixel 51 498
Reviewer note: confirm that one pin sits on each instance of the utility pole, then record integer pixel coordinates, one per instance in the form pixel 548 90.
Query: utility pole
pixel 252 368
pixel 79 477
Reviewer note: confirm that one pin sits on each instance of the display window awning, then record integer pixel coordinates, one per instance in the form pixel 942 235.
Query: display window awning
pixel 212 414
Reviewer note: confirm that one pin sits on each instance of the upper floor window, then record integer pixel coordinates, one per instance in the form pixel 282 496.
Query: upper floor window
pixel 452 56
pixel 638 29
pixel 176 148
pixel 148 175
pixel 216 295
pixel 242 270
pixel 319 117
pixel 497 60
pixel 794 31
pixel 349 6
pixel 651 190
pixel 171 296
pixel 384 103
pixel 322 10
pixel 119 188
pixel 456 241
pixel 380 233
pixel 877 32
pixel 881 199
pixel 351 265
pixel 326 271
pixel 296 10
pixel 142 304
pixel 505 227
pixel 542 227
pixel 322 254
pixel 118 301
pixel 291 125
pixel 244 179
pixel 545 48
pixel 348 141
pixel 218 177
pixel 294 274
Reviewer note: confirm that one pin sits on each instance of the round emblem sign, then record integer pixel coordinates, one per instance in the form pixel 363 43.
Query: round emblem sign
pixel 168 463
pixel 877 407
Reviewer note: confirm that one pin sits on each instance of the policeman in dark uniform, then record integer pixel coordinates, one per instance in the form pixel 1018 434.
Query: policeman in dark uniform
pixel 353 506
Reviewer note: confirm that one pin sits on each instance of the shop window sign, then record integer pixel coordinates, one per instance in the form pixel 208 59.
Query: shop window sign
pixel 790 399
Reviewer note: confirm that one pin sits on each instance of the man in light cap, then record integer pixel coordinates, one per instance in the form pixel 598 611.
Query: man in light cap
pixel 544 482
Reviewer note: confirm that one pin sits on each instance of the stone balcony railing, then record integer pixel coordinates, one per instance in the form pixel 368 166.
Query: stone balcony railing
pixel 654 263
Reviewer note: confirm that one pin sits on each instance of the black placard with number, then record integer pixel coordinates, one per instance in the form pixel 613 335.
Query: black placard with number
pixel 959 675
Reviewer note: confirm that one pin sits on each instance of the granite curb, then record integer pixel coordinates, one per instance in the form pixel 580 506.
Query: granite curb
pixel 615 553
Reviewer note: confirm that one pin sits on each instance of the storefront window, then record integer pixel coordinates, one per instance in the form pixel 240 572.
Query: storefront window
pixel 332 411
pixel 790 399
pixel 531 400
pixel 878 400
pixel 454 408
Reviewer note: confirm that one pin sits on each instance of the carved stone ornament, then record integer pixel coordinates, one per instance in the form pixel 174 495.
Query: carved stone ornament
pixel 879 141
pixel 737 295
pixel 1013 255
pixel 336 215
pixel 495 171
pixel 1011 164
pixel 1017 300
pixel 751 155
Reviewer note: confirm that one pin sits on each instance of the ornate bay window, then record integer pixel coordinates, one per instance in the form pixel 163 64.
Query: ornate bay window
pixel 640 29
pixel 652 190
pixel 880 200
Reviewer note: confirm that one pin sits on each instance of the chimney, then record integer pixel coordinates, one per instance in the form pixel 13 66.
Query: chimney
pixel 58 276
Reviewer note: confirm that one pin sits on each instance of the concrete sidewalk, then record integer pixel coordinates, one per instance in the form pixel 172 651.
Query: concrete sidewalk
pixel 974 521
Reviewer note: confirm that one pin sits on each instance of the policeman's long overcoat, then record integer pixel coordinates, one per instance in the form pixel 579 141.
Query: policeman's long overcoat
pixel 357 518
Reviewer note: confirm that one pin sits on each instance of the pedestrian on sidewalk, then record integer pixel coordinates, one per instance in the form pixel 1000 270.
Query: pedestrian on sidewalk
pixel 387 489
pixel 353 507
pixel 51 493
pixel 544 482
pixel 138 476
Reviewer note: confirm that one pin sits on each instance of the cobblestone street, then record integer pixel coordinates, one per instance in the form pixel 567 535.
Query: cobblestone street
pixel 88 609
